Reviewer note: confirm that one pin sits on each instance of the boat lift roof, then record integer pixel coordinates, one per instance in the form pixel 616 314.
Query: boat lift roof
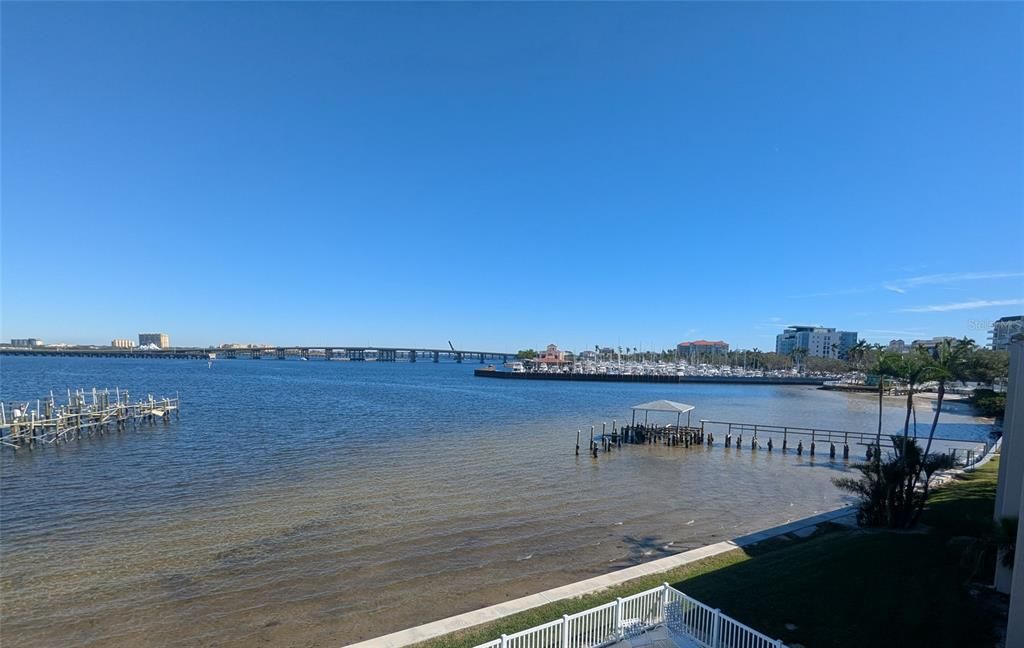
pixel 664 406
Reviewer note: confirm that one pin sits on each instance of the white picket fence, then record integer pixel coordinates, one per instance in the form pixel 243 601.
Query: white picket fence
pixel 687 619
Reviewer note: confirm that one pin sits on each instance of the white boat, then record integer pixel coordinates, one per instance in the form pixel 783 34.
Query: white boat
pixel 516 367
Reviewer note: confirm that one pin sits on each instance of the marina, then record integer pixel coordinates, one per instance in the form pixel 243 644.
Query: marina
pixel 658 377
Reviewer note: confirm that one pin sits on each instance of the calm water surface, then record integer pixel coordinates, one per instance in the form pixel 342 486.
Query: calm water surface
pixel 319 503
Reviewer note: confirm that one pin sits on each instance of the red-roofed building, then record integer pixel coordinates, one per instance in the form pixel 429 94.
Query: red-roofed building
pixel 701 349
pixel 552 355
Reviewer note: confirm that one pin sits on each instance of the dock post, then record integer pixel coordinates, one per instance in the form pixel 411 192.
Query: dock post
pixel 812 448
pixel 846 451
pixel 800 448
pixel 578 442
pixel 832 450
pixel 785 440
pixel 769 444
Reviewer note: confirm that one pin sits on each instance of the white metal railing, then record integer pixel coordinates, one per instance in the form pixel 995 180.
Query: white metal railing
pixel 632 616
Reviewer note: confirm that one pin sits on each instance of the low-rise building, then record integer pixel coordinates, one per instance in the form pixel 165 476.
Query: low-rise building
pixel 1003 330
pixel 159 340
pixel 701 349
pixel 931 344
pixel 552 355
pixel 896 346
pixel 817 341
pixel 26 342
pixel 122 343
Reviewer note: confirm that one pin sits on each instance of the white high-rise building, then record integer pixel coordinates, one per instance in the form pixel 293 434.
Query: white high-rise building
pixel 1003 330
pixel 818 341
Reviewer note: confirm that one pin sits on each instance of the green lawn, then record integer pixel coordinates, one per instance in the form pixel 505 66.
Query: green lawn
pixel 842 588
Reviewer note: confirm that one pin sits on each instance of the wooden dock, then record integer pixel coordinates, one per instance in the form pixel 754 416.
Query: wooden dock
pixel 766 438
pixel 84 414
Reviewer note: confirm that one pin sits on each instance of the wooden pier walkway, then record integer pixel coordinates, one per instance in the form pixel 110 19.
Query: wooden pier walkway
pixel 762 437
pixel 51 423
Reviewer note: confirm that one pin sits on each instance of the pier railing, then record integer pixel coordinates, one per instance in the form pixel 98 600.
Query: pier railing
pixel 662 609
pixel 968 450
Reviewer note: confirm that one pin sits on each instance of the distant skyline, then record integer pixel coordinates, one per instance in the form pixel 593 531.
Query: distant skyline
pixel 506 176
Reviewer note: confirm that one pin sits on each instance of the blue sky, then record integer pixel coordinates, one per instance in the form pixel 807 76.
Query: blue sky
pixel 510 175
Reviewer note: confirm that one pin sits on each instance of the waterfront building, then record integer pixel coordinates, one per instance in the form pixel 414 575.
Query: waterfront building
pixel 587 355
pixel 122 343
pixel 817 341
pixel 896 346
pixel 930 345
pixel 701 349
pixel 26 342
pixel 552 355
pixel 160 340
pixel 1003 330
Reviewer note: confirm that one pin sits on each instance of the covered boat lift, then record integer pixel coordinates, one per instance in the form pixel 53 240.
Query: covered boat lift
pixel 664 406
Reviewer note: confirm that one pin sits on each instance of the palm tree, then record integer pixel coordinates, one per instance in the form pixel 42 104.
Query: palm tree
pixel 914 369
pixel 856 353
pixel 886 366
pixel 799 354
pixel 949 364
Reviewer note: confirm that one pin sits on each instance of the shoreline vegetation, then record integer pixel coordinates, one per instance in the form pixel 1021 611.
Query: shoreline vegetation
pixel 830 587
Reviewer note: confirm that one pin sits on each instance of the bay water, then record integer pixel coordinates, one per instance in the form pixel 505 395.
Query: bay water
pixel 320 503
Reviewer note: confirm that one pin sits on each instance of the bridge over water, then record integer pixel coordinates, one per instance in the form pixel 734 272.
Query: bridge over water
pixel 326 352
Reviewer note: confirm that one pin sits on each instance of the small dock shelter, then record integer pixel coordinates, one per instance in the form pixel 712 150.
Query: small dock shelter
pixel 664 406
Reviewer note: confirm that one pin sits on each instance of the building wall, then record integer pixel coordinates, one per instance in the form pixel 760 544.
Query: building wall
pixel 1009 499
pixel 122 343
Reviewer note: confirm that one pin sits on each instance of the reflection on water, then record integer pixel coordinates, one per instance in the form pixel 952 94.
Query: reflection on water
pixel 318 503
